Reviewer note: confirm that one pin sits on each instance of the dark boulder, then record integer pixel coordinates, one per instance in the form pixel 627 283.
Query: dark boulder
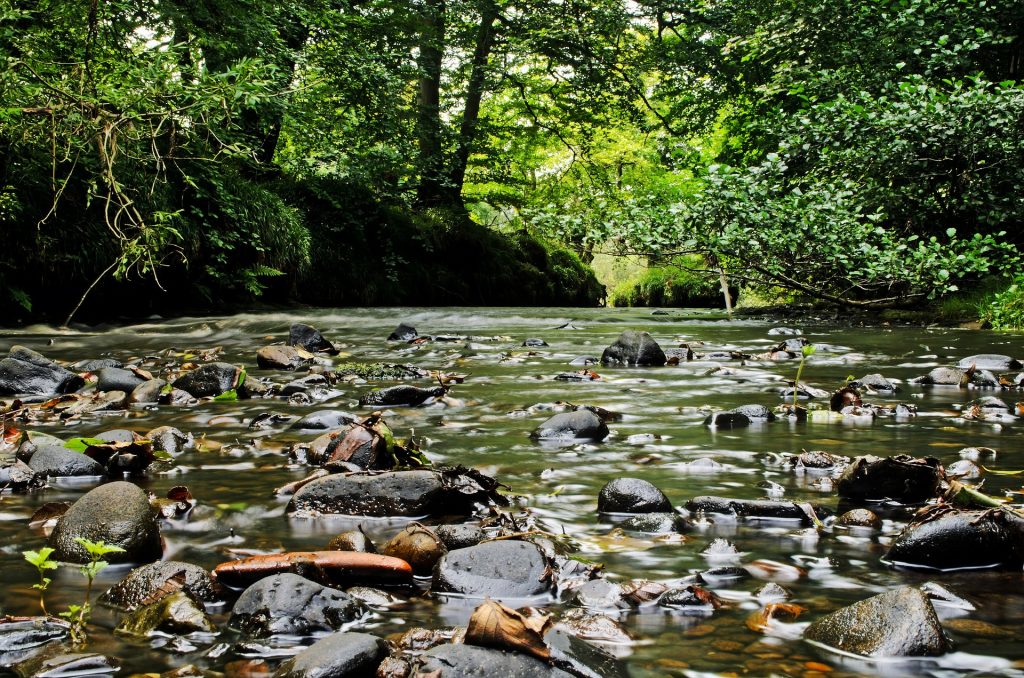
pixel 632 495
pixel 26 372
pixel 897 623
pixel 116 513
pixel 58 461
pixel 755 412
pixel 324 419
pixel 339 655
pixel 634 348
pixel 580 424
pixel 287 604
pixel 469 661
pixel 147 392
pixel 459 536
pixel 403 333
pixel 23 636
pixel 535 342
pixel 147 581
pixel 901 478
pixel 309 338
pixel 753 508
pixel 654 523
pixel 400 396
pixel 944 376
pixel 396 493
pixel 283 358
pixel 210 380
pixel 117 379
pixel 171 440
pixel 496 569
pixel 95 364
pixel 990 361
pixel 17 476
pixel 728 419
pixel 875 382
pixel 950 539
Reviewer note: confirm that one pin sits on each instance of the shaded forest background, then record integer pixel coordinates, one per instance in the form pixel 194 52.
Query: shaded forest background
pixel 177 155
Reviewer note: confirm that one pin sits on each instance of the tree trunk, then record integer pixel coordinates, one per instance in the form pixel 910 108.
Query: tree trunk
pixel 431 189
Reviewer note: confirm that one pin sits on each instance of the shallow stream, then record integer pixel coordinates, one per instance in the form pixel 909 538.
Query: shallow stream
pixel 485 423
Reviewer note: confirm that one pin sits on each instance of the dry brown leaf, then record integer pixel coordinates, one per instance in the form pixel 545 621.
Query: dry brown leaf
pixel 641 591
pixel 494 625
pixel 760 621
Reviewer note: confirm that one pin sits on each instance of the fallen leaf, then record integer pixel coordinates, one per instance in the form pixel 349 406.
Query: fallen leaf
pixel 761 620
pixel 494 625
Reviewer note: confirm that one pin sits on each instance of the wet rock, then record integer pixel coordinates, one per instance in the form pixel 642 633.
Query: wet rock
pixel 95 364
pixel 147 392
pixel 26 372
pixel 400 396
pixel 58 461
pixel 792 345
pixel 32 441
pixel 898 623
pixel 771 593
pixel 323 420
pixel 287 604
pixel 860 518
pixel 634 348
pixel 845 398
pixel 803 392
pixel 396 493
pixel 372 597
pixel 943 376
pixel 314 385
pixel 210 380
pixel 116 513
pixel 753 508
pixel 950 539
pixel 875 382
pixel 339 655
pixel 148 581
pixel 819 460
pixel 963 469
pixel 583 361
pixel 655 523
pixel 59 663
pixel 283 358
pixel 497 569
pixel 901 478
pixel 417 546
pixel 354 541
pixel 701 465
pixel 592 626
pixel 691 598
pixel 459 536
pixel 176 614
pixel 990 361
pixel 785 331
pixel 755 412
pixel 632 495
pixel 18 476
pixel 20 636
pixel 310 339
pixel 535 342
pixel 170 440
pixel 988 404
pixel 580 424
pixel 470 661
pixel 729 419
pixel 984 379
pixel 403 333
pixel 117 379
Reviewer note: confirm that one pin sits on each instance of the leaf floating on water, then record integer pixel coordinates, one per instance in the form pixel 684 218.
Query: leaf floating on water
pixel 1003 473
pixel 494 625
pixel 642 591
pixel 761 620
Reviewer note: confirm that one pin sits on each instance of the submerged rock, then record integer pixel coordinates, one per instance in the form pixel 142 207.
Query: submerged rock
pixel 944 376
pixel 292 605
pixel 17 476
pixel 632 495
pixel 51 664
pixel 951 539
pixel 395 493
pixel 24 371
pixel 116 513
pixel 580 424
pixel 470 661
pixel 729 419
pixel 875 382
pixel 339 655
pixel 400 396
pixel 990 361
pixel 634 348
pixel 754 508
pixel 898 623
pixel 309 338
pixel 323 420
pixel 901 478
pixel 496 569
pixel 175 613
pixel 20 636
pixel 149 580
pixel 655 523
pixel 210 380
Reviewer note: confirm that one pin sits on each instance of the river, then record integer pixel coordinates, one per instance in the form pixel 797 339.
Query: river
pixel 485 424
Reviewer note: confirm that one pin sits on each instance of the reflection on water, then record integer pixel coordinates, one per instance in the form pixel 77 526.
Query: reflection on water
pixel 508 391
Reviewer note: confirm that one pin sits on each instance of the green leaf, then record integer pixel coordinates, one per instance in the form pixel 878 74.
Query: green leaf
pixel 82 444
pixel 98 549
pixel 41 558
pixel 227 396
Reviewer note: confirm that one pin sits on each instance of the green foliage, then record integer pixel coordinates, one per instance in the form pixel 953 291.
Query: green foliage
pixel 1006 309
pixel 806 351
pixel 686 285
pixel 41 561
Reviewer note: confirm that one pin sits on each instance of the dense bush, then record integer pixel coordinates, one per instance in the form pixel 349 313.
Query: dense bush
pixel 671 286
pixel 1006 309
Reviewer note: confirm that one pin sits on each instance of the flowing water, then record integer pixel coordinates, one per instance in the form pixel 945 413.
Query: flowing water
pixel 485 424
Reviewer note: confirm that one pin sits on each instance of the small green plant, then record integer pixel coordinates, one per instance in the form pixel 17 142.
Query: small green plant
pixel 1006 309
pixel 805 352
pixel 77 615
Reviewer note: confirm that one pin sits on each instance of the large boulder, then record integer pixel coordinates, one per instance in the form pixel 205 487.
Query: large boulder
pixel 632 495
pixel 309 338
pixel 901 478
pixel 400 396
pixel 147 581
pixel 396 493
pixel 287 604
pixel 496 569
pixel 57 461
pixel 117 379
pixel 990 361
pixel 950 539
pixel 283 358
pixel 339 655
pixel 403 332
pixel 468 661
pixel 26 372
pixel 897 623
pixel 634 348
pixel 210 380
pixel 116 513
pixel 581 424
